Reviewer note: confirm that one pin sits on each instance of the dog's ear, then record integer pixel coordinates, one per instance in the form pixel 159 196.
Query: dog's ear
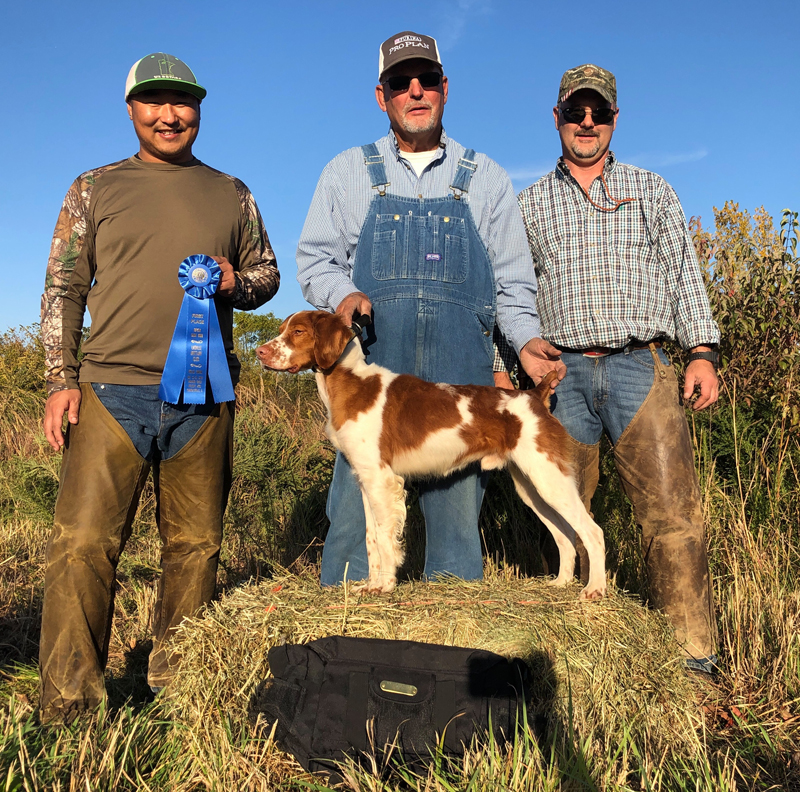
pixel 331 336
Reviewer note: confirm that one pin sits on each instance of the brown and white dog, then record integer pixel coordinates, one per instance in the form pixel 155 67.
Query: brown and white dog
pixel 395 426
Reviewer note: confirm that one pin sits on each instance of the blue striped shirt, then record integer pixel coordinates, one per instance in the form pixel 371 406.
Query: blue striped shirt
pixel 328 241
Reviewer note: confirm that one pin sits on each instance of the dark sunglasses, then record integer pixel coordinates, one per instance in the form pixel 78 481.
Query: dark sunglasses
pixel 575 115
pixel 402 82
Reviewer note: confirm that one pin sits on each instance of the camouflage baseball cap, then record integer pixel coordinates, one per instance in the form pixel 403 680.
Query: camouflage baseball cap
pixel 588 76
pixel 159 70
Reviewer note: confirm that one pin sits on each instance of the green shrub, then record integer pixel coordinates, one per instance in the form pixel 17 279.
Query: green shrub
pixel 753 281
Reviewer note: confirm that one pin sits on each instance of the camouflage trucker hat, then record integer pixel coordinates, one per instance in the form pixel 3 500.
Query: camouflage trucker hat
pixel 405 46
pixel 159 70
pixel 588 76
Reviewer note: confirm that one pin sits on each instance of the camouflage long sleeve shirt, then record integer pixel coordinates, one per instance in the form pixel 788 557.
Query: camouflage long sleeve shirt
pixel 122 231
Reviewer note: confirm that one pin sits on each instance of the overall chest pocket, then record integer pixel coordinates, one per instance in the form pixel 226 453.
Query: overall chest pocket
pixel 420 247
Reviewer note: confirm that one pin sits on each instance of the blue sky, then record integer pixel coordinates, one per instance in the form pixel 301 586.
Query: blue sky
pixel 707 92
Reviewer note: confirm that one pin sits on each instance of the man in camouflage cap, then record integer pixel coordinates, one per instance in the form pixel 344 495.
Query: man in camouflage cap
pixel 122 233
pixel 618 276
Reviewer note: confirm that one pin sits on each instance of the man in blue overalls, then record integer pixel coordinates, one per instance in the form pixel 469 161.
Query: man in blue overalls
pixel 428 237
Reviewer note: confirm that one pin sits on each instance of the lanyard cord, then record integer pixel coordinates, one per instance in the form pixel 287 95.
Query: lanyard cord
pixel 617 203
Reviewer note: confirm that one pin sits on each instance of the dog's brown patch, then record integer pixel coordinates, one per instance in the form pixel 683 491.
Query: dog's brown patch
pixel 350 394
pixel 552 440
pixel 414 409
pixel 492 430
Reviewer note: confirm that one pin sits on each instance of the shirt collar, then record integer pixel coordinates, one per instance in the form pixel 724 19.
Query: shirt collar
pixel 399 154
pixel 608 167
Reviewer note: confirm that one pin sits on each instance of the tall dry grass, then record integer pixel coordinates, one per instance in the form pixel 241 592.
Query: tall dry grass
pixel 745 722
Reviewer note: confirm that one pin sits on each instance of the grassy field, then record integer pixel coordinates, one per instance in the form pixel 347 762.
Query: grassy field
pixel 619 712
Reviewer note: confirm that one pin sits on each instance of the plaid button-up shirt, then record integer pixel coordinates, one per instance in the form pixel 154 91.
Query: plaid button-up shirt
pixel 606 278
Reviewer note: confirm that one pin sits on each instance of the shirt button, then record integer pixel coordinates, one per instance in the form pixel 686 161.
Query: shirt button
pixel 396 217
pixel 420 195
pixel 447 219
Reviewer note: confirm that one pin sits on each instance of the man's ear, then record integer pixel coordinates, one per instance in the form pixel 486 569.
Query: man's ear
pixel 380 96
pixel 130 109
pixel 331 336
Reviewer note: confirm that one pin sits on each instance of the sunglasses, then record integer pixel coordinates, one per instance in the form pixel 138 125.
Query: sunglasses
pixel 575 115
pixel 402 82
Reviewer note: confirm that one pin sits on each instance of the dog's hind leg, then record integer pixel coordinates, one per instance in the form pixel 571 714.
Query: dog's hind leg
pixel 562 532
pixel 553 495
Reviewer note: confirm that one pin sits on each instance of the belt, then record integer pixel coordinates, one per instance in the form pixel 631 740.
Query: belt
pixel 605 351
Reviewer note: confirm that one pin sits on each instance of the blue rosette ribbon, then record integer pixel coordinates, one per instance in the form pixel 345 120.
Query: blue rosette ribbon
pixel 197 352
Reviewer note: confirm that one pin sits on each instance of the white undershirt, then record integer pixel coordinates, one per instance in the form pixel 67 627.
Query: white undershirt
pixel 419 159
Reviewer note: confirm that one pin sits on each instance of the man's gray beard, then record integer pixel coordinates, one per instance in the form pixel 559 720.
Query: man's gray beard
pixel 586 153
pixel 414 127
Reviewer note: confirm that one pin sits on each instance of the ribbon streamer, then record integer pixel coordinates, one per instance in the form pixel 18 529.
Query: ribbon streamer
pixel 197 352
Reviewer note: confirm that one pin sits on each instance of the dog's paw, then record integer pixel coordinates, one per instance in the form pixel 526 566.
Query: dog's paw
pixel 382 585
pixel 560 582
pixel 375 586
pixel 593 592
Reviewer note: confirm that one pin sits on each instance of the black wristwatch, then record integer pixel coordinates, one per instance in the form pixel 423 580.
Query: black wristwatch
pixel 712 356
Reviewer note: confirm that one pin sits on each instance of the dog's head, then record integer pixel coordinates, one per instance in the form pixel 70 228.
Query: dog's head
pixel 307 339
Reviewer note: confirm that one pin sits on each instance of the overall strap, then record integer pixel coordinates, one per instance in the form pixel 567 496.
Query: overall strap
pixel 377 172
pixel 466 167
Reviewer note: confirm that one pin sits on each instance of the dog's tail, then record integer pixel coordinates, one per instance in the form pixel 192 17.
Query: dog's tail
pixel 543 389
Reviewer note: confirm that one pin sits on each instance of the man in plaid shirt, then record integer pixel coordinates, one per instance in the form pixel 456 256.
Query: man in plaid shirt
pixel 617 274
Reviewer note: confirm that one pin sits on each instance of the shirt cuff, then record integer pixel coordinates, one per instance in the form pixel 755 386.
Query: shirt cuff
pixel 703 335
pixel 340 292
pixel 522 330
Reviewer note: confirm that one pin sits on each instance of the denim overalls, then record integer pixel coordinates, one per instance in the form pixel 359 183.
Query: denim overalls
pixel 427 272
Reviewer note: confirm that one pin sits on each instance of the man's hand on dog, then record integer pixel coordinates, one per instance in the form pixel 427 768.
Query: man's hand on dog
pixel 538 358
pixel 701 375
pixel 58 403
pixel 355 303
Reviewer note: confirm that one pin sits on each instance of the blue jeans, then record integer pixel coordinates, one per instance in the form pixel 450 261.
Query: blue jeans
pixel 155 427
pixel 454 501
pixel 603 393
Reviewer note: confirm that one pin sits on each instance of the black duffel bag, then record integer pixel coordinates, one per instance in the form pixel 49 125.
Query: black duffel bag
pixel 337 697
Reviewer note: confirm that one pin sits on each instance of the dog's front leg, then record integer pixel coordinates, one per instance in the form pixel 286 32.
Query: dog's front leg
pixel 373 555
pixel 383 495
